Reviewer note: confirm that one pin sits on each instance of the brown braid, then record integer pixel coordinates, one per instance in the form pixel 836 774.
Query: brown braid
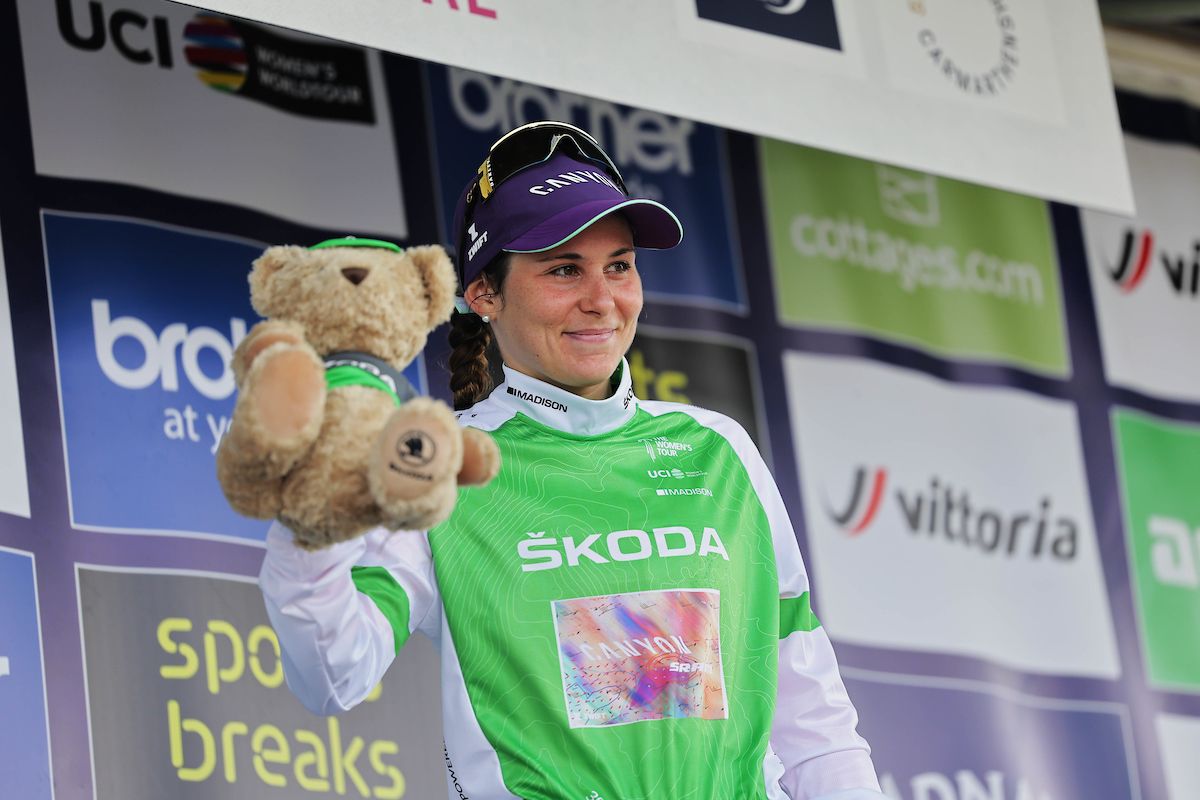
pixel 474 359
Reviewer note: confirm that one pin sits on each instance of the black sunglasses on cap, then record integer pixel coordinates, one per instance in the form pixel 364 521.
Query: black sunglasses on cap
pixel 532 144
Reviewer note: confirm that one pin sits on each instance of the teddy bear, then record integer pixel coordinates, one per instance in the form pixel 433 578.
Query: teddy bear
pixel 326 434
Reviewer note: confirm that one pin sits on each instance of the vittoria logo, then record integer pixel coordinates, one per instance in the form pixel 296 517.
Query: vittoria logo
pixel 945 512
pixel 1137 256
pixel 538 400
pixel 864 502
pixel 1131 268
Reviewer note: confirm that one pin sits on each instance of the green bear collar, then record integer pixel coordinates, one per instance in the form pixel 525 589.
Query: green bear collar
pixel 352 368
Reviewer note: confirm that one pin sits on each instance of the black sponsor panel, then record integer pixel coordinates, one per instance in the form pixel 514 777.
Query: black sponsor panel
pixel 706 371
pixel 188 700
pixel 313 79
pixel 808 21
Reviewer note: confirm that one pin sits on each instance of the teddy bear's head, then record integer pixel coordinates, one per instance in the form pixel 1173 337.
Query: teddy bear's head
pixel 362 295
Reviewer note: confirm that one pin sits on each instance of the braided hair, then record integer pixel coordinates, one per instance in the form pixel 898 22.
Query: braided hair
pixel 474 357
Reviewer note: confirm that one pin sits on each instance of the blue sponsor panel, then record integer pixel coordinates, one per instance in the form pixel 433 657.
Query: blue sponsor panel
pixel 678 162
pixel 969 741
pixel 24 742
pixel 146 318
pixel 808 21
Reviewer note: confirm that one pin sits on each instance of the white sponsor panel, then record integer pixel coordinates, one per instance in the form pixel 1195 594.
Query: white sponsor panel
pixel 947 518
pixel 1145 274
pixel 1179 742
pixel 980 55
pixel 730 63
pixel 14 483
pixel 167 97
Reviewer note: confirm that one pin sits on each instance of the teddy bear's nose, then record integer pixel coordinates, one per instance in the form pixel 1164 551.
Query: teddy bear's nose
pixel 355 275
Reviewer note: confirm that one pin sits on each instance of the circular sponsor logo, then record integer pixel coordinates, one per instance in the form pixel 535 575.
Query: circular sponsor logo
pixel 217 51
pixel 416 448
pixel 972 43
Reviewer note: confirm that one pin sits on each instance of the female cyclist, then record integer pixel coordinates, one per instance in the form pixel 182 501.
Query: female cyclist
pixel 623 612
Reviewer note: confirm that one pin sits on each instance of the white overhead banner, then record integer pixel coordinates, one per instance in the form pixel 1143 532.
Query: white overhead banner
pixel 1008 93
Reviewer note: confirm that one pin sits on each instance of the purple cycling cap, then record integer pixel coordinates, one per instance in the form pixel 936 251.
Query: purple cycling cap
pixel 546 204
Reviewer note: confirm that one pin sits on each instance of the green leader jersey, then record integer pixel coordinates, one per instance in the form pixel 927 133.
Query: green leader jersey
pixel 623 613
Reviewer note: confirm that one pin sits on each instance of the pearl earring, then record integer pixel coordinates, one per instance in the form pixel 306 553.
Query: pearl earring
pixel 486 319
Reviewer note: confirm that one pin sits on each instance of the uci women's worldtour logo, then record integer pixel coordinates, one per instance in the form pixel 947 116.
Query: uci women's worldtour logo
pixel 309 78
pixel 900 254
pixel 942 511
pixel 808 21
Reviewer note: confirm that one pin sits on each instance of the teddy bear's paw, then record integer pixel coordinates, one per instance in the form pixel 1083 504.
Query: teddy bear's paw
pixel 481 458
pixel 418 450
pixel 261 337
pixel 285 391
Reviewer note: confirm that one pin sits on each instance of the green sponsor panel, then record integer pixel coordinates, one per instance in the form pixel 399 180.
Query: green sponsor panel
pixel 961 270
pixel 1159 464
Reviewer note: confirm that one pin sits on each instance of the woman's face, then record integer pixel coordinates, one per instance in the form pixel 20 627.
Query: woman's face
pixel 566 316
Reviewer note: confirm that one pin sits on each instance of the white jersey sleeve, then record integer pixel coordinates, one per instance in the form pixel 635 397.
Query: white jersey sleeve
pixel 343 612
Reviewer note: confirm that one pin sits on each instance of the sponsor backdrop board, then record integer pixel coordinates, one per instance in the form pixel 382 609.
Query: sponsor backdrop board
pixel 991 495
pixel 958 269
pixel 902 514
pixel 981 741
pixel 146 318
pixel 174 99
pixel 188 665
pixel 24 737
pixel 14 484
pixel 1159 464
pixel 1145 273
pixel 945 78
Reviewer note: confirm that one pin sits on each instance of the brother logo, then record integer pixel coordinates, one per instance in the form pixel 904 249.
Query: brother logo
pixel 158 361
pixel 637 138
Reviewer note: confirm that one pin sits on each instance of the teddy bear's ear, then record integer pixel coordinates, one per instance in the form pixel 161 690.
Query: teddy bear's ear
pixel 437 273
pixel 265 267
